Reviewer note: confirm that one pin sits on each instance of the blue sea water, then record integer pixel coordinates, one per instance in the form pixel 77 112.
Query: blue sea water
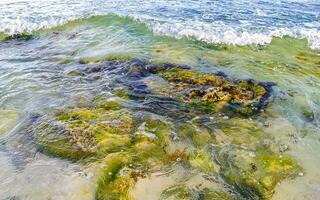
pixel 238 22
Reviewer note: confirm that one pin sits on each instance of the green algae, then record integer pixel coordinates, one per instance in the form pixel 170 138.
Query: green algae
pixel 150 141
pixel 240 132
pixel 260 65
pixel 199 136
pixel 147 151
pixel 121 92
pixel 308 58
pixel 202 161
pixel 114 184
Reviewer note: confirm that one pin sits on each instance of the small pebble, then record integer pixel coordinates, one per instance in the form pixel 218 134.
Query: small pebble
pixel 225 117
pixel 178 159
pixel 300 174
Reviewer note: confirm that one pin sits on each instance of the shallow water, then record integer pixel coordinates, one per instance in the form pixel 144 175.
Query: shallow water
pixel 39 76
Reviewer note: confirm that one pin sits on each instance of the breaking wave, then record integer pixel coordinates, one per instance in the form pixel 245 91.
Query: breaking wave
pixel 240 23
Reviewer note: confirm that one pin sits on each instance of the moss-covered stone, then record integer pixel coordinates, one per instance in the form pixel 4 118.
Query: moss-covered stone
pixel 256 173
pixel 19 37
pixel 239 131
pixel 105 130
pixel 215 91
pixel 77 133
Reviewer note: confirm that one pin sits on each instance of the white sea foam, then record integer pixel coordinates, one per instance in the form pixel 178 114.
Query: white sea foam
pixel 203 20
pixel 223 34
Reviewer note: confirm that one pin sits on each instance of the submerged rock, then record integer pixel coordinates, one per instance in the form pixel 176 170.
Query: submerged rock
pixel 248 160
pixel 215 91
pixel 128 143
pixel 131 135
pixel 255 175
pixel 19 37
pixel 77 133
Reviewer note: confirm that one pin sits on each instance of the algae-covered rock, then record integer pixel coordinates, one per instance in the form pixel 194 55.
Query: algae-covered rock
pixel 239 131
pixel 215 91
pixel 240 154
pixel 147 151
pixel 19 37
pixel 129 144
pixel 77 133
pixel 131 141
pixel 256 173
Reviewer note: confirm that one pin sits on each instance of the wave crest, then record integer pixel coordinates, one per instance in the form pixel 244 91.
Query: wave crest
pixel 219 33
